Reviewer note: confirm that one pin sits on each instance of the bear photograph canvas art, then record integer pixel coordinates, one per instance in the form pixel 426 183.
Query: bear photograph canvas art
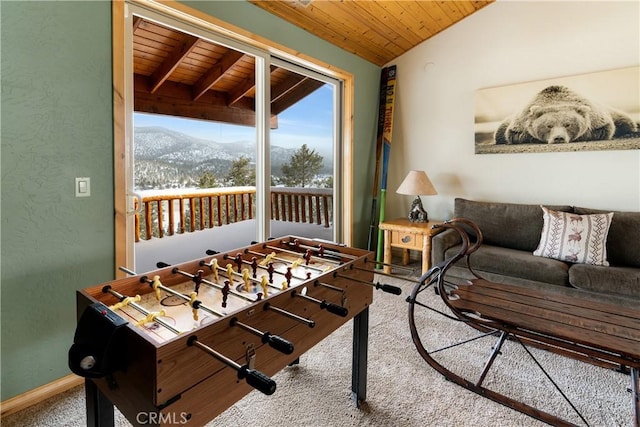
pixel 595 111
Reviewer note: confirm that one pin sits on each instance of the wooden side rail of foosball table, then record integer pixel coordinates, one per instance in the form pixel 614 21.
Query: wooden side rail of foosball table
pixel 100 409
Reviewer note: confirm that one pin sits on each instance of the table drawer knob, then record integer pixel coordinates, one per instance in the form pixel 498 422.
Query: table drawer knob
pixel 406 239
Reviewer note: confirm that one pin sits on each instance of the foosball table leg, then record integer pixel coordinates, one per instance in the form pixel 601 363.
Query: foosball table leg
pixel 360 353
pixel 99 407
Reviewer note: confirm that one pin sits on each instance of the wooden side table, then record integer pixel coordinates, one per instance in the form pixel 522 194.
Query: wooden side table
pixel 402 233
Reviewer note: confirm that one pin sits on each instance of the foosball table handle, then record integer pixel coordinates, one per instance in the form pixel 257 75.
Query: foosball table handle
pixel 278 343
pixel 335 309
pixel 257 380
pixel 390 289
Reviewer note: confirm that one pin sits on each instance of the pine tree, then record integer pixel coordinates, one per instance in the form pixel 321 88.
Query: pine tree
pixel 302 167
pixel 241 173
pixel 327 182
pixel 207 180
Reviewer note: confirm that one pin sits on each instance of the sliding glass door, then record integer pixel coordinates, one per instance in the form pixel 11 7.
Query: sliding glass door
pixel 224 143
pixel 304 154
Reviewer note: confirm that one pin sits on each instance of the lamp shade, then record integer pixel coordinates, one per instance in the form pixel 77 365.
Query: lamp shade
pixel 417 183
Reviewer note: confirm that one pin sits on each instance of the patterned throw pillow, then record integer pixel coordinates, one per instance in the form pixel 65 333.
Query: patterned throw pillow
pixel 574 238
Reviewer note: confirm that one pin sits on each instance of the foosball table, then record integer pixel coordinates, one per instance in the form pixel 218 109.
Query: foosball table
pixel 182 343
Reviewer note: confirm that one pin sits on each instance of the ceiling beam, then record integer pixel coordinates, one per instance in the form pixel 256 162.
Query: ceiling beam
pixel 291 97
pixel 136 22
pixel 174 99
pixel 234 96
pixel 172 61
pixel 285 86
pixel 215 73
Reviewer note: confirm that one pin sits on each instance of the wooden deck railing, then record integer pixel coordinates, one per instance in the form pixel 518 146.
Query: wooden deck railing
pixel 166 212
pixel 306 205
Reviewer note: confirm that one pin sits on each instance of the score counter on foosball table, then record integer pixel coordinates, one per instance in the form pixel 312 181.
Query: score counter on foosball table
pixel 187 341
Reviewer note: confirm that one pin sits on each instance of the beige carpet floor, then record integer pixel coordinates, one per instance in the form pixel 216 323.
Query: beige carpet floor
pixel 402 389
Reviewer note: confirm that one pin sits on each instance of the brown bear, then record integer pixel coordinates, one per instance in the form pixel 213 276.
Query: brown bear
pixel 559 115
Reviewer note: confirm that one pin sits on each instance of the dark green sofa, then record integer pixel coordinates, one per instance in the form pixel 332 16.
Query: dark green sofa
pixel 511 232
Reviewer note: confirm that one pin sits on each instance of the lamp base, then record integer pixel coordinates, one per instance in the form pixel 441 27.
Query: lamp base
pixel 417 212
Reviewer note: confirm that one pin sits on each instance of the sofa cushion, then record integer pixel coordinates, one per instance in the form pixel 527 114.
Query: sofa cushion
pixel 459 275
pixel 623 244
pixel 515 263
pixel 510 225
pixel 608 280
pixel 574 238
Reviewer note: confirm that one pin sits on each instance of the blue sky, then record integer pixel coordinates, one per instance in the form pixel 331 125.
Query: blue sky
pixel 310 122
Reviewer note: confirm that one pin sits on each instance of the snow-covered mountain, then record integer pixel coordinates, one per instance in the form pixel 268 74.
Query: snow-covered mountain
pixel 169 159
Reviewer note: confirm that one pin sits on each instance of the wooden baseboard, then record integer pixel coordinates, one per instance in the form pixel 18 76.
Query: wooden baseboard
pixel 37 395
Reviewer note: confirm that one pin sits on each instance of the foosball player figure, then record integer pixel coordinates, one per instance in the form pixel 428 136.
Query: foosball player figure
pixel 197 279
pixel 155 285
pixel 307 256
pixel 288 275
pixel 194 308
pixel 270 270
pixel 246 279
pixel 214 269
pixel 225 293
pixel 265 286
pixel 254 267
pixel 238 260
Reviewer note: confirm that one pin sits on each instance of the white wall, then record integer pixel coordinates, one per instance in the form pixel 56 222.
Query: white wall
pixel 505 43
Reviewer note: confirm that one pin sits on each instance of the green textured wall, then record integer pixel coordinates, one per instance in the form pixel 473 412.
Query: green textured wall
pixel 57 125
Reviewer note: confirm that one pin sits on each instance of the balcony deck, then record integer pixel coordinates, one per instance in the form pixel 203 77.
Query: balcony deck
pixel 184 247
pixel 175 226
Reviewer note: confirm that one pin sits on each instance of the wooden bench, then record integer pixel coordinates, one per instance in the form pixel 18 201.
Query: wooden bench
pixel 590 327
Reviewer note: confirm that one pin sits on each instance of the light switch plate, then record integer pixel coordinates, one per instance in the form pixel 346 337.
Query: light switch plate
pixel 83 187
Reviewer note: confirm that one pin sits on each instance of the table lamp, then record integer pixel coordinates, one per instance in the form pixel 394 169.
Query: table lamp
pixel 417 183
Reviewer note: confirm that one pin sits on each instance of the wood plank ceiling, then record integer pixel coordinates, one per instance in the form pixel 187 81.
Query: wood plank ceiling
pixel 378 31
pixel 181 75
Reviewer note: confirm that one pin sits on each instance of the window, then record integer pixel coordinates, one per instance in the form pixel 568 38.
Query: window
pixel 216 134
